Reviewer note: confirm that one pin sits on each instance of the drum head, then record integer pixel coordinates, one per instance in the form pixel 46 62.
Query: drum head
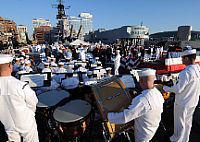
pixel 51 98
pixel 72 111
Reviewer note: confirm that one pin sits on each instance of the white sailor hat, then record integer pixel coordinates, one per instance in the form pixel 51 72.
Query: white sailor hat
pixel 21 72
pixel 67 58
pixel 27 62
pixel 16 59
pixel 147 72
pixel 89 72
pixel 108 68
pixel 21 58
pixel 117 51
pixel 98 68
pixel 61 63
pixel 187 50
pixel 99 63
pixel 5 58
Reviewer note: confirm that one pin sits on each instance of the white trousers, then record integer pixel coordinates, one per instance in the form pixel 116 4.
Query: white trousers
pixel 31 136
pixel 182 123
pixel 116 71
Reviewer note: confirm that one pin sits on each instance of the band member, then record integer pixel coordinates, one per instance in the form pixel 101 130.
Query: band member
pixel 145 109
pixel 117 62
pixel 46 67
pixel 89 79
pixel 28 66
pixel 187 92
pixel 61 68
pixel 17 105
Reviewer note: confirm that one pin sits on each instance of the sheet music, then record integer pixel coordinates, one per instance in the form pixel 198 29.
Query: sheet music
pixel 128 81
pixel 34 80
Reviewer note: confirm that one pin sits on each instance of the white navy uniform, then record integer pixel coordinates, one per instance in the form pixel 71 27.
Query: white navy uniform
pixel 146 111
pixel 187 92
pixel 53 64
pixel 61 70
pixel 28 69
pixel 46 70
pixel 17 110
pixel 82 54
pixel 117 64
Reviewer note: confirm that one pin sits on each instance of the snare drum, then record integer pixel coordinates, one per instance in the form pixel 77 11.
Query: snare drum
pixel 73 118
pixel 49 99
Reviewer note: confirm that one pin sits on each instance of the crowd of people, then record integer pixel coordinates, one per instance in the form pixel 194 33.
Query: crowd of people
pixel 87 65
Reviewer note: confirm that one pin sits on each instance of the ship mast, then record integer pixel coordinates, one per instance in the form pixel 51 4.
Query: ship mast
pixel 62 20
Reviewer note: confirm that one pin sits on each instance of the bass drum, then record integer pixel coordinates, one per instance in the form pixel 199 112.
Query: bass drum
pixel 73 118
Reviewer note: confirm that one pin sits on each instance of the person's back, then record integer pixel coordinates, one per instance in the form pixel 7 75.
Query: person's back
pixel 17 105
pixel 16 115
pixel 188 93
pixel 147 124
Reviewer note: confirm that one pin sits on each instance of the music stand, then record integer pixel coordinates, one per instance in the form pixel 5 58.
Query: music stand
pixel 36 80
pixel 128 80
pixel 58 77
pixel 63 76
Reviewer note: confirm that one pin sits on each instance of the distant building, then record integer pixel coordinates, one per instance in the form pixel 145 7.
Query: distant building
pixel 41 34
pixel 126 35
pixel 184 33
pixel 41 22
pixel 8 31
pixel 183 36
pixel 81 24
pixel 23 33
pixel 74 24
pixel 86 22
pixel 53 36
pixel 41 30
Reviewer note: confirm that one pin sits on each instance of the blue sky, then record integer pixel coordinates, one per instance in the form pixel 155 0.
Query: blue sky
pixel 158 15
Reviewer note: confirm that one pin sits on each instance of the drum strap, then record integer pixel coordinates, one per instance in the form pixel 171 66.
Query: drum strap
pixel 25 85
